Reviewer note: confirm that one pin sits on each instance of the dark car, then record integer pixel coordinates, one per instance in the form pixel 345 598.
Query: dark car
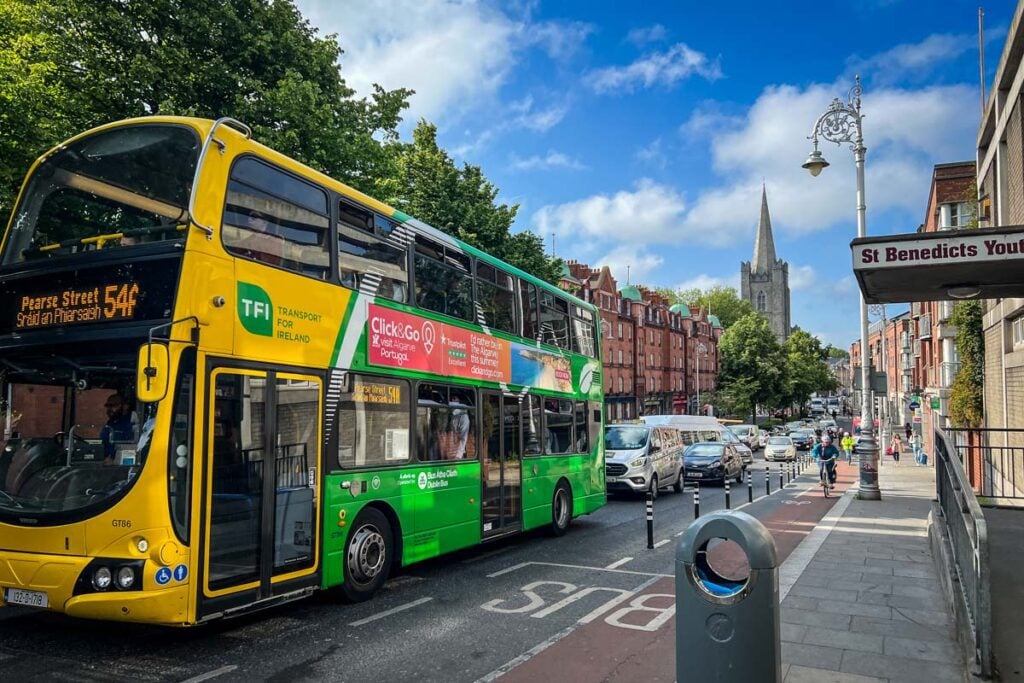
pixel 712 461
pixel 802 440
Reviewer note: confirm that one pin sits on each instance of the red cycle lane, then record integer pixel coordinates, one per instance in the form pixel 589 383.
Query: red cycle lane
pixel 633 641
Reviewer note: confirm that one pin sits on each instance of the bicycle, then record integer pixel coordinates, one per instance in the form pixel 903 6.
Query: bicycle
pixel 826 477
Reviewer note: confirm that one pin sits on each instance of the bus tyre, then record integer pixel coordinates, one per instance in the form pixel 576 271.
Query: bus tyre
pixel 678 486
pixel 561 510
pixel 368 555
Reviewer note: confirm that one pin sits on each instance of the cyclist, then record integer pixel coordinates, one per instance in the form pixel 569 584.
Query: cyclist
pixel 826 455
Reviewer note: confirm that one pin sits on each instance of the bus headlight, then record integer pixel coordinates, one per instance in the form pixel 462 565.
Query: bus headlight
pixel 125 578
pixel 101 579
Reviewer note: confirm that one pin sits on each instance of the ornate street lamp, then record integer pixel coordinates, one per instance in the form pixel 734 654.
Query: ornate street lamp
pixel 842 123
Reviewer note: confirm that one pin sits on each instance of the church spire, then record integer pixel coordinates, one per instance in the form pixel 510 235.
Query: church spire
pixel 764 247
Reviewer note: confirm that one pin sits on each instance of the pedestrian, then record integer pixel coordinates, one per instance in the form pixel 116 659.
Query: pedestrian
pixel 907 429
pixel 915 445
pixel 895 447
pixel 847 444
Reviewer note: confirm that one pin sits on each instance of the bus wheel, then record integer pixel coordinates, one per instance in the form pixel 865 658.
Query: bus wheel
pixel 561 510
pixel 367 555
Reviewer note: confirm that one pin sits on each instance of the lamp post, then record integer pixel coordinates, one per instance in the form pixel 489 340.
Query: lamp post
pixel 842 123
pixel 885 416
pixel 701 349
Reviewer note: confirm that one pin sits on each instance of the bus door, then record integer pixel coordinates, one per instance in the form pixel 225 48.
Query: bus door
pixel 261 478
pixel 501 464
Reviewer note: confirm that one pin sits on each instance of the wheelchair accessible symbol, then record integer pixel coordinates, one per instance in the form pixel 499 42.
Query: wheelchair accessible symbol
pixel 163 575
pixel 180 572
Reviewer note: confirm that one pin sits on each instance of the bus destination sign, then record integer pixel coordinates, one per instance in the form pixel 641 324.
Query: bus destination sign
pixel 73 305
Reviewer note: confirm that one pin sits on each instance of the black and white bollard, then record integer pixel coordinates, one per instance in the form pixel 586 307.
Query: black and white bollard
pixel 696 499
pixel 782 476
pixel 728 503
pixel 650 520
pixel 750 487
pixel 767 481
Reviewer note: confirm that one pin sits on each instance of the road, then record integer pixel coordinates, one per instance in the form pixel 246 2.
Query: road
pixel 468 616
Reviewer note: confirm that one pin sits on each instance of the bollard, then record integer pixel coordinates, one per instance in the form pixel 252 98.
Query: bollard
pixel 767 481
pixel 696 499
pixel 650 520
pixel 750 486
pixel 728 506
pixel 782 476
pixel 727 630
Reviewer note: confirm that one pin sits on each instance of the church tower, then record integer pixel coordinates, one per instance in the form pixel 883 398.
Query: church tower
pixel 764 282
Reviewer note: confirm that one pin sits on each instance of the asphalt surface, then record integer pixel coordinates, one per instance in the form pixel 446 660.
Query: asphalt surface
pixel 463 617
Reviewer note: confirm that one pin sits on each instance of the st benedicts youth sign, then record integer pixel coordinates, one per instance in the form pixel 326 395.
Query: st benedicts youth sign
pixel 957 248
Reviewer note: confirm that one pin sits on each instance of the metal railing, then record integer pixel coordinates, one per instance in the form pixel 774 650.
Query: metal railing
pixel 993 460
pixel 968 537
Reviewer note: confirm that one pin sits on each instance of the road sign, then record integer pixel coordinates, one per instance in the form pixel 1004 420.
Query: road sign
pixel 914 405
pixel 935 403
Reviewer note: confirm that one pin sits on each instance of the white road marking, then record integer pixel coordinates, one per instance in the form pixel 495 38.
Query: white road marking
pixel 212 674
pixel 618 563
pixel 540 647
pixel 661 543
pixel 575 566
pixel 388 613
pixel 802 555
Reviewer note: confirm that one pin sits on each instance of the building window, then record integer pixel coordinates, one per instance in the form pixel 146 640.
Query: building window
pixel 960 214
pixel 1017 326
pixel 621 385
pixel 620 330
pixel 620 356
pixel 762 302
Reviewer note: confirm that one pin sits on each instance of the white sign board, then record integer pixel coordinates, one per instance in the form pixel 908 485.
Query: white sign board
pixel 959 248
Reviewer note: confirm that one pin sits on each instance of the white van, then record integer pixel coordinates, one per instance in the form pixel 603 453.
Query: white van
pixel 642 457
pixel 694 428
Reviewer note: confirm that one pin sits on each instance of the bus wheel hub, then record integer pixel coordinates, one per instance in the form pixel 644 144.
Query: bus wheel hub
pixel 366 555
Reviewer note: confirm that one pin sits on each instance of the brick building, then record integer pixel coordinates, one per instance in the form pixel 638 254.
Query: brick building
pixel 649 346
pixel 897 365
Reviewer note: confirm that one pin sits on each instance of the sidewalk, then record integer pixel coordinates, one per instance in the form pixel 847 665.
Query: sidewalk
pixel 860 597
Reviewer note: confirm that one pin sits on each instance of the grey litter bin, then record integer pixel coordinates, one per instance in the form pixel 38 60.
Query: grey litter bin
pixel 727 630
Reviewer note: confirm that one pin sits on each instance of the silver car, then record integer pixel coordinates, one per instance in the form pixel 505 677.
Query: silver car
pixel 780 448
pixel 746 455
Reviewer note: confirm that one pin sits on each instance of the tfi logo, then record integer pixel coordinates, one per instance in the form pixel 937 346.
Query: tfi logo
pixel 255 310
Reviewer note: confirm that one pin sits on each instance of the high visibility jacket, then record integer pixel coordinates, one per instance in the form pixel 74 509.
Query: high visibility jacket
pixel 847 443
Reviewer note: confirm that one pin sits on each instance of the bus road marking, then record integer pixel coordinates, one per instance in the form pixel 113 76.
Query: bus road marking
pixel 212 674
pixel 519 566
pixel 388 613
pixel 618 563
pixel 662 542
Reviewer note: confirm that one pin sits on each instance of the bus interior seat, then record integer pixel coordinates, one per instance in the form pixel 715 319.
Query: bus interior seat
pixel 34 456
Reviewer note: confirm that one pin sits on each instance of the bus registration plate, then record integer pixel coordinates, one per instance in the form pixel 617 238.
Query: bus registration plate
pixel 17 596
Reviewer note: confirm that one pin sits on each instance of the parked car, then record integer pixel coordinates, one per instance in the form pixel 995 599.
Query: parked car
pixel 793 426
pixel 780 448
pixel 802 440
pixel 762 437
pixel 747 434
pixel 640 458
pixel 712 460
pixel 746 455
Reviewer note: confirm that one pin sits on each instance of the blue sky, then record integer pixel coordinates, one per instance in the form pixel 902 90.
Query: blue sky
pixel 640 133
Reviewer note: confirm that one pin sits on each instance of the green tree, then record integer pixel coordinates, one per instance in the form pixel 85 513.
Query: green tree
pixel 69 65
pixel 723 302
pixel 966 396
pixel 753 367
pixel 806 370
pixel 836 352
pixel 460 201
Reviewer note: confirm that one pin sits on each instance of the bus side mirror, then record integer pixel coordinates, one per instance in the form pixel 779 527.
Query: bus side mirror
pixel 151 379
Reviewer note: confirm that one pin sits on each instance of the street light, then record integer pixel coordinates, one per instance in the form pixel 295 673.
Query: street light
pixel 883 433
pixel 701 349
pixel 842 122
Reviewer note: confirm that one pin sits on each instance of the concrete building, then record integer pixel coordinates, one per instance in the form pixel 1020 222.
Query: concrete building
pixel 1001 203
pixel 764 281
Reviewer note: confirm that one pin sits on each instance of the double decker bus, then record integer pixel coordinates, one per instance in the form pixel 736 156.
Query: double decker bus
pixel 229 381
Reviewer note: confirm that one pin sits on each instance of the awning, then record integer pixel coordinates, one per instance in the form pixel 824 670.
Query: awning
pixel 986 263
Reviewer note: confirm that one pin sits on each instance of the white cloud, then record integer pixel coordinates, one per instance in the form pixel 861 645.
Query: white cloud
pixel 704 281
pixel 526 115
pixel 658 68
pixel 456 55
pixel 551 160
pixel 803 277
pixel 647 34
pixel 646 214
pixel 914 59
pixel 653 154
pixel 628 262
